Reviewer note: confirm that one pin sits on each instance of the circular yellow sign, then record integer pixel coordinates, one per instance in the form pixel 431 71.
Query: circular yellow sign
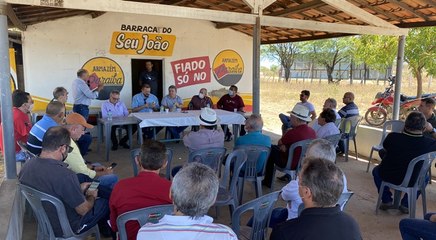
pixel 228 67
pixel 107 71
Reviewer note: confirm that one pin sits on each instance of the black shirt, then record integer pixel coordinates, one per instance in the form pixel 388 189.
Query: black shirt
pixel 54 178
pixel 401 148
pixel 318 223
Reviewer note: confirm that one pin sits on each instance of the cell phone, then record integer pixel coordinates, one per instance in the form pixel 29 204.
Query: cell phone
pixel 94 185
pixel 113 165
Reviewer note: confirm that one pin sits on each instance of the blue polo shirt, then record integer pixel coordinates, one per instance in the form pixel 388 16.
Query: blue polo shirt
pixel 139 100
pixel 349 110
pixel 34 141
pixel 255 138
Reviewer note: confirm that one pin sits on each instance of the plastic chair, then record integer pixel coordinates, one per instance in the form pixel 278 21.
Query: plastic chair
pixel 392 126
pixel 228 190
pixel 419 185
pixel 255 153
pixel 287 169
pixel 45 230
pixel 349 128
pixel 135 152
pixel 262 208
pixel 142 216
pixel 211 157
pixel 334 139
pixel 342 201
pixel 29 155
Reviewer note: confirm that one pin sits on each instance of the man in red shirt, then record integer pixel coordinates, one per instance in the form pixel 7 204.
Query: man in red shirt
pixel 300 116
pixel 22 105
pixel 145 190
pixel 231 102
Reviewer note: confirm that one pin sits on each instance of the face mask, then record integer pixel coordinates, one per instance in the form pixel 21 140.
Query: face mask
pixel 201 95
pixel 231 93
pixel 30 107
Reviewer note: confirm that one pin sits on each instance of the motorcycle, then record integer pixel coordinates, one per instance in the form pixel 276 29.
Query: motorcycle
pixel 382 107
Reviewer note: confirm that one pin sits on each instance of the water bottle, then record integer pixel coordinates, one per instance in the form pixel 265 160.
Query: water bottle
pixel 162 109
pixel 208 105
pixel 109 115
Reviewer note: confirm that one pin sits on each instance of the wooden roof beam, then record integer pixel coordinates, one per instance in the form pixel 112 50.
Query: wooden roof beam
pixel 14 19
pixel 408 9
pixel 365 4
pixel 359 13
pixel 297 9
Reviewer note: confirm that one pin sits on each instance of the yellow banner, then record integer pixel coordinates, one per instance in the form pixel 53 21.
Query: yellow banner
pixel 150 44
pixel 13 75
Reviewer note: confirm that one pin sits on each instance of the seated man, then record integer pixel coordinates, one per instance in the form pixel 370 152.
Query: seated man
pixel 320 187
pixel 328 103
pixel 193 192
pixel 427 108
pixel 417 229
pixel 146 102
pixel 117 108
pixel 328 127
pixel 54 116
pixel 231 102
pixel 350 109
pixel 145 190
pixel 207 136
pixel 304 97
pixel 22 105
pixel 401 148
pixel 49 174
pixel 60 94
pixel 200 101
pixel 318 148
pixel 174 103
pixel 254 136
pixel 300 115
pixel 76 125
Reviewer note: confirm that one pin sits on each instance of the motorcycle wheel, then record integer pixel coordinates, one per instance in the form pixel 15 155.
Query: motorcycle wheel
pixel 375 118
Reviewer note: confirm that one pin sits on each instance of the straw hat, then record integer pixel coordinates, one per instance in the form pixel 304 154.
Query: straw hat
pixel 301 112
pixel 208 117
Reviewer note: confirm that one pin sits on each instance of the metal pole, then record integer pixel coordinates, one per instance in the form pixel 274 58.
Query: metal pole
pixel 398 77
pixel 6 98
pixel 256 66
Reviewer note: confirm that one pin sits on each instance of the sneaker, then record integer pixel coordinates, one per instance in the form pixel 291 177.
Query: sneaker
pixel 284 178
pixel 386 206
pixel 403 209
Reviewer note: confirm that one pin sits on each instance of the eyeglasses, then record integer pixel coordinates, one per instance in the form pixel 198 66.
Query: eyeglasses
pixel 70 149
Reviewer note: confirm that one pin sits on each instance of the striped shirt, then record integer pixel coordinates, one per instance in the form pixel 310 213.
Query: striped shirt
pixel 349 110
pixel 186 228
pixel 34 141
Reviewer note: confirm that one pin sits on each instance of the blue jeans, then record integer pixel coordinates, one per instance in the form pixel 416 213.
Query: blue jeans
pixel 108 180
pixel 175 131
pixel 286 121
pixel 387 195
pixel 415 229
pixel 83 143
pixel 93 216
pixel 82 110
pixel 103 190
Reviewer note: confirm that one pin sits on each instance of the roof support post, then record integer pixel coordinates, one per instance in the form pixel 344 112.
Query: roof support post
pixel 398 77
pixel 6 97
pixel 256 66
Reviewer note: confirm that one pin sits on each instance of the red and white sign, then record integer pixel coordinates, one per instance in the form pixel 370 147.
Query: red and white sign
pixel 191 71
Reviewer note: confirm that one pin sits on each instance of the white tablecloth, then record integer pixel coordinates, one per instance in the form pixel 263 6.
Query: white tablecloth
pixel 177 119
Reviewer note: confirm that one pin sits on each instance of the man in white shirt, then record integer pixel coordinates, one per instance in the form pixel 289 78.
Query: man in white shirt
pixel 319 148
pixel 82 94
pixel 194 190
pixel 327 122
pixel 304 97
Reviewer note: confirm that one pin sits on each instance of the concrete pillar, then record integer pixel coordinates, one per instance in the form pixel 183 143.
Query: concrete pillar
pixel 398 77
pixel 256 66
pixel 6 98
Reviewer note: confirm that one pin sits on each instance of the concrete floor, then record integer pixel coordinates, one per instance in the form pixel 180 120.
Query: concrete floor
pixel 361 206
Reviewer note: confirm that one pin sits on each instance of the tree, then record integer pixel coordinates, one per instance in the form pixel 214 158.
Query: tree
pixel 283 53
pixel 420 53
pixel 328 53
pixel 274 69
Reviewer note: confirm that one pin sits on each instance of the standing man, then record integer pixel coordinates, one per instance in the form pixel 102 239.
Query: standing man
pixel 350 109
pixel 304 97
pixel 22 105
pixel 231 102
pixel 118 109
pixel 200 101
pixel 150 76
pixel 82 94
pixel 427 108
